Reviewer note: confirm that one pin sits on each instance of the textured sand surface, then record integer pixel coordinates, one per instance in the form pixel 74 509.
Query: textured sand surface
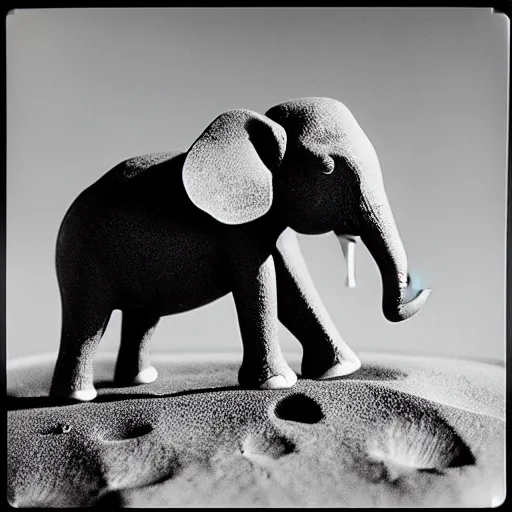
pixel 402 431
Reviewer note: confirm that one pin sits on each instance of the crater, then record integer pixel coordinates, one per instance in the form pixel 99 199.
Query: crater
pixel 299 408
pixel 273 447
pixel 127 432
pixel 411 437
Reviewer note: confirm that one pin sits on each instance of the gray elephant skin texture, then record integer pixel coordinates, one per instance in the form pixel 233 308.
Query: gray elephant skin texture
pixel 165 233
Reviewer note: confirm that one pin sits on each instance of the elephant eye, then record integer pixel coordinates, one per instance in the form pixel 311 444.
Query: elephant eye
pixel 328 165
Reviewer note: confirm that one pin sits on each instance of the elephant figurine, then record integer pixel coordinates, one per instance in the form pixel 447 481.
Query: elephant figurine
pixel 169 232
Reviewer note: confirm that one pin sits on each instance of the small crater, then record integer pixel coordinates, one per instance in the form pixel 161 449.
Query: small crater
pixel 299 408
pixel 274 447
pixel 61 428
pixel 129 432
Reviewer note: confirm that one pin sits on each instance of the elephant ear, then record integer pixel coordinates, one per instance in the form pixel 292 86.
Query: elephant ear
pixel 227 170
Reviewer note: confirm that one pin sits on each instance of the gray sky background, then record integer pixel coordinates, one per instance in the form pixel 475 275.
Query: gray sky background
pixel 89 88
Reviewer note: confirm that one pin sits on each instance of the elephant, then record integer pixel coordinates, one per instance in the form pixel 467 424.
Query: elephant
pixel 168 232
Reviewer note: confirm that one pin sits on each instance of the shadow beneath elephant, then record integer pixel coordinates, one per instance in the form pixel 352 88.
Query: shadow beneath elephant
pixel 114 397
pixel 366 373
pixel 15 403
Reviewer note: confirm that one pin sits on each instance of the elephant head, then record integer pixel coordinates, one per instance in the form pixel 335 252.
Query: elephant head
pixel 312 163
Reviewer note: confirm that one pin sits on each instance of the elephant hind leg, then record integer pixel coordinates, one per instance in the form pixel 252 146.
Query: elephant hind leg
pixel 133 366
pixel 83 324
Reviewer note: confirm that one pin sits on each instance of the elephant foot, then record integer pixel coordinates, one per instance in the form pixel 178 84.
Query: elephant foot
pixel 319 368
pixel 280 382
pixel 341 369
pixel 79 389
pixel 78 395
pixel 83 395
pixel 267 376
pixel 146 376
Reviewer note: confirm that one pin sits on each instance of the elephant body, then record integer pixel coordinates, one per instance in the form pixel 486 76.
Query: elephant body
pixel 153 248
pixel 165 233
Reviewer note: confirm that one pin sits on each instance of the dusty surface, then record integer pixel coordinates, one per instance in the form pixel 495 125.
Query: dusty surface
pixel 402 431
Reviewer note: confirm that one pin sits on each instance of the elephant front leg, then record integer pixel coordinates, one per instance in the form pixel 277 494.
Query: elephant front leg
pixel 254 292
pixel 302 312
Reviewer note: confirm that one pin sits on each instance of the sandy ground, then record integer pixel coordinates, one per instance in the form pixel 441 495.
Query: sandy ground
pixel 402 431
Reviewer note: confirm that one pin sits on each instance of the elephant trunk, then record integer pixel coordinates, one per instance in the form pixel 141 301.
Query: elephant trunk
pixel 378 230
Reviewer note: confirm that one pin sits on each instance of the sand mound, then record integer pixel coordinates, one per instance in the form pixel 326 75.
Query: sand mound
pixel 402 431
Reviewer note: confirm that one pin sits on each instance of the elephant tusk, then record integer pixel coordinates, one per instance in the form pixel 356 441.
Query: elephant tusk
pixel 348 246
